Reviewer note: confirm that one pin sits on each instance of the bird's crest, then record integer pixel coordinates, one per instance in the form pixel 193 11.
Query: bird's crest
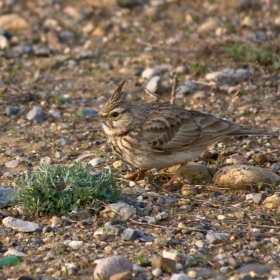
pixel 114 100
pixel 118 94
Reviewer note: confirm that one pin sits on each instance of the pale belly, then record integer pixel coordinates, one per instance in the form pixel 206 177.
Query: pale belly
pixel 141 156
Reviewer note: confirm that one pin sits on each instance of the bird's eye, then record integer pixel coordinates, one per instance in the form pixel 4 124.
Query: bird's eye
pixel 115 114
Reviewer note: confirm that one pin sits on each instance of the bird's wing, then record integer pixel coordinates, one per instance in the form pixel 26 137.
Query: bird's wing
pixel 170 129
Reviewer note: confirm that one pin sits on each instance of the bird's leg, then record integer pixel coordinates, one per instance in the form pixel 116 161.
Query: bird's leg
pixel 169 185
pixel 137 175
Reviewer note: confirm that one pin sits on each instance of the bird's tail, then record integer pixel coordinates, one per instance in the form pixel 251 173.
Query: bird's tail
pixel 247 131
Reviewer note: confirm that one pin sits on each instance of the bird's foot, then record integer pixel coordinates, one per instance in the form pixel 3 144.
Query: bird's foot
pixel 136 176
pixel 173 187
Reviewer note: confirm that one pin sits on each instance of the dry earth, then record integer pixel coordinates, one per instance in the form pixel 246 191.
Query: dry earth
pixel 65 56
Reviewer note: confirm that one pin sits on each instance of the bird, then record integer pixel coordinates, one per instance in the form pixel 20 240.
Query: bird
pixel 160 135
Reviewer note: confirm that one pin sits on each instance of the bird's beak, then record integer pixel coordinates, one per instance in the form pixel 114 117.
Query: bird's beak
pixel 96 118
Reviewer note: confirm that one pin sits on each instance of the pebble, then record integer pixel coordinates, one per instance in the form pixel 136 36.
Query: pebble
pixel 56 221
pixel 256 269
pixel 46 160
pixel 15 253
pixel 215 237
pixel 23 226
pixel 204 273
pixel 200 244
pixel 8 175
pixel 10 111
pixel 97 161
pixel 149 73
pixel 12 151
pixel 153 85
pixel 111 266
pixel 6 196
pixel 125 211
pixel 36 114
pixel 193 170
pixel 130 234
pixel 54 114
pixel 236 159
pixel 243 176
pixel 59 154
pixel 259 198
pixel 249 196
pixel 160 242
pixel 180 277
pixel 76 244
pixel 4 43
pixel 152 221
pixel 259 158
pixel 157 272
pixel 161 216
pixel 126 275
pixel 107 233
pixel 275 166
pixel 65 36
pixel 13 163
pixel 272 202
pixel 13 22
pixel 188 190
pixel 70 268
pixel 226 76
pixel 166 265
pixel 147 238
pixel 209 25
pixel 185 88
pixel 118 164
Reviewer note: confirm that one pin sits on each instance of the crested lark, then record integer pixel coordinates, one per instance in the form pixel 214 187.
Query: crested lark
pixel 159 135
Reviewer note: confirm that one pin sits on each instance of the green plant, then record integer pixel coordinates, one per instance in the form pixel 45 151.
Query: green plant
pixel 255 54
pixel 178 248
pixel 198 68
pixel 96 153
pixel 84 235
pixel 63 249
pixel 60 189
pixel 273 186
pixel 14 70
pixel 260 185
pixel 139 259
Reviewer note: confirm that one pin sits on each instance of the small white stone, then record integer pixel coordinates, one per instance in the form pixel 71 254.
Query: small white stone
pixel 15 253
pixel 20 225
pixel 132 184
pixel 13 163
pixel 221 217
pixel 157 272
pixel 4 43
pixel 76 244
pixel 153 85
pixel 96 161
pixel 172 254
pixel 249 196
pixel 149 73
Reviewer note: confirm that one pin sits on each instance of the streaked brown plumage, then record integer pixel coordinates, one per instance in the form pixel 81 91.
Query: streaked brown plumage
pixel 158 135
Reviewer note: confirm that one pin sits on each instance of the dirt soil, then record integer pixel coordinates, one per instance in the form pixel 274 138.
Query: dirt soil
pixel 71 55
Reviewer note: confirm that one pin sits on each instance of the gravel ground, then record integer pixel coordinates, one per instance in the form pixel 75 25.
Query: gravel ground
pixel 61 60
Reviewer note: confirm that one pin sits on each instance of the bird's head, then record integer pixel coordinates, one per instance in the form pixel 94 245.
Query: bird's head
pixel 116 116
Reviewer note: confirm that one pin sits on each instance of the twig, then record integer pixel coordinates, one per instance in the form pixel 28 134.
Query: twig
pixel 174 90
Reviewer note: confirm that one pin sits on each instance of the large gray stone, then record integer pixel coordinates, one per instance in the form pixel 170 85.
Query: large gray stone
pixel 20 225
pixel 111 266
pixel 6 196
